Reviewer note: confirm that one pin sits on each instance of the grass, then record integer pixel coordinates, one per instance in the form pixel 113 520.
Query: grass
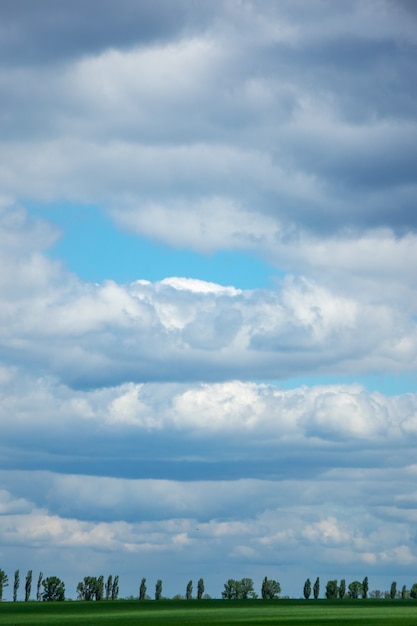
pixel 213 612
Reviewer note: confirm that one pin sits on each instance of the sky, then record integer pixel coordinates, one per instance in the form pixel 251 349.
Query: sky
pixel 208 303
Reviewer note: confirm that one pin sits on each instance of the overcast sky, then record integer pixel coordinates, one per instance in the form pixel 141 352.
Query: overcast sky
pixel 208 252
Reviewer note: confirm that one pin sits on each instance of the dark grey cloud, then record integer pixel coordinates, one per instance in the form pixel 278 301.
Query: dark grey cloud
pixel 51 32
pixel 307 117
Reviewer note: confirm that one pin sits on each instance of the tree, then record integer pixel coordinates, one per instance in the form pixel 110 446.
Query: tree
pixel 54 589
pixel 38 587
pixel 189 591
pixel 404 593
pixel 158 589
pixel 332 590
pixel 365 587
pixel 238 589
pixel 109 585
pixel 270 589
pixel 100 588
pixel 342 589
pixel 355 589
pixel 16 584
pixel 246 589
pixel 90 588
pixel 142 589
pixel 307 589
pixel 28 585
pixel 413 591
pixel 4 582
pixel 115 588
pixel 84 591
pixel 316 588
pixel 231 590
pixel 393 590
pixel 200 589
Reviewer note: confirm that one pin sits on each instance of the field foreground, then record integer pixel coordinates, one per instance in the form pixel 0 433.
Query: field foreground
pixel 213 612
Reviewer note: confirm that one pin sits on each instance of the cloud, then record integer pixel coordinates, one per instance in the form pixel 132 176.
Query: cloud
pixel 252 540
pixel 271 107
pixel 175 330
pixel 210 224
pixel 221 431
pixel 191 471
pixel 54 33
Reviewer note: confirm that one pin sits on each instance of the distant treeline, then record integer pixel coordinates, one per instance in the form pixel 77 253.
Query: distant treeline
pixel 95 588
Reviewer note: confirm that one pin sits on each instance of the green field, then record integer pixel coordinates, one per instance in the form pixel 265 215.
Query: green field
pixel 228 613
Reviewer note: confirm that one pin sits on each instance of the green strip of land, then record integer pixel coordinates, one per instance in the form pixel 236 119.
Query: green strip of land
pixel 213 612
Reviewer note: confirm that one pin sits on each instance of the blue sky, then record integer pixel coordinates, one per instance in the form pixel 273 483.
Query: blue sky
pixel 95 250
pixel 208 289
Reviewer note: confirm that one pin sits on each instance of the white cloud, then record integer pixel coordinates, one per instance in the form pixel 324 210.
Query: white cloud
pixel 198 286
pixel 205 225
pixel 326 531
pixel 10 505
pixel 209 423
pixel 110 333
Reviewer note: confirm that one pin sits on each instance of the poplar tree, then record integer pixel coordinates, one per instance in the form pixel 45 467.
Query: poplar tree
pixel 115 588
pixel 142 589
pixel 342 589
pixel 38 587
pixel 365 587
pixel 16 584
pixel 307 589
pixel 4 582
pixel 189 591
pixel 99 592
pixel 109 585
pixel 316 588
pixel 28 585
pixel 200 589
pixel 158 589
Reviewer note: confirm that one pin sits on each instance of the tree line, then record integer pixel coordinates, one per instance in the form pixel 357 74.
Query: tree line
pixel 51 589
pixel 356 589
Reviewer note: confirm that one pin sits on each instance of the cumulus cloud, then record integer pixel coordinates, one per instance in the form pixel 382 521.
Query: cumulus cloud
pixel 200 431
pixel 177 329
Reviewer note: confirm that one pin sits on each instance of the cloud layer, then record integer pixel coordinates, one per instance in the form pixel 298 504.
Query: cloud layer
pixel 179 472
pixel 181 329
pixel 293 117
